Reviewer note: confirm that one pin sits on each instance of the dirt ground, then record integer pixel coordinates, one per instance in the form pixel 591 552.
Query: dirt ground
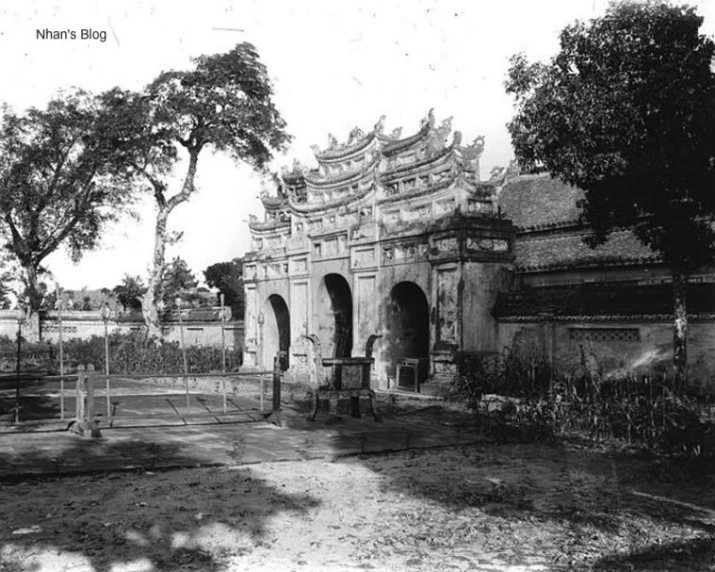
pixel 494 507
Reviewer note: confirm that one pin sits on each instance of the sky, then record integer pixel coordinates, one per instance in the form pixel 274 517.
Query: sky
pixel 334 65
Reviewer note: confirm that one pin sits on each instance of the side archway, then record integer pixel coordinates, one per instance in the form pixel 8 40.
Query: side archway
pixel 335 316
pixel 276 331
pixel 408 320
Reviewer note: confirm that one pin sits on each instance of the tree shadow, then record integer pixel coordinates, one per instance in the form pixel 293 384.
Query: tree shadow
pixel 158 514
pixel 521 478
pixel 35 400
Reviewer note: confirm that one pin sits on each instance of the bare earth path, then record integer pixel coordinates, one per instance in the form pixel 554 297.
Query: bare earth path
pixel 492 507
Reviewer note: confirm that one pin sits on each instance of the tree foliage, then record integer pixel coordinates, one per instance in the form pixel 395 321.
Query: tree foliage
pixel 227 278
pixel 129 292
pixel 177 281
pixel 225 104
pixel 61 182
pixel 626 112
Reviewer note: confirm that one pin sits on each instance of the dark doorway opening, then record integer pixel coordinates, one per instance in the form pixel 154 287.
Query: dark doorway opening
pixel 341 307
pixel 277 336
pixel 409 329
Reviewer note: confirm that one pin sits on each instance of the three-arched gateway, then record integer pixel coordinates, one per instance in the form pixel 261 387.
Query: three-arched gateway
pixel 408 324
pixel 335 316
pixel 388 236
pixel 276 331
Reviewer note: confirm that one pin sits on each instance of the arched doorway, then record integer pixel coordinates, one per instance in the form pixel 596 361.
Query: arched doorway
pixel 335 319
pixel 276 331
pixel 408 318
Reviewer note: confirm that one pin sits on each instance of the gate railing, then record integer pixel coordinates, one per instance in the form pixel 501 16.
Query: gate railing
pixel 86 382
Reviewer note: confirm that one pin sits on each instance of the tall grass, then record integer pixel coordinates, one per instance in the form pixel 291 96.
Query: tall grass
pixel 643 412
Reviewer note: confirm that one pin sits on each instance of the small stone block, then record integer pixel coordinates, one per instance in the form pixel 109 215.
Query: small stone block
pixel 86 429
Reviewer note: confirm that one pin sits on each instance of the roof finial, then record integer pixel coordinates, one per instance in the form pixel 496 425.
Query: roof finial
pixel 429 120
pixel 380 125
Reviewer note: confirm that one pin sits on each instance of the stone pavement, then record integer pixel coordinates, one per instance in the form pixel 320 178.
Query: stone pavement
pixel 233 442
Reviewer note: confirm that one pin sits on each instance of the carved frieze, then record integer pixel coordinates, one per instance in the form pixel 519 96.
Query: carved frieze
pixel 447 306
pixel 447 244
pixel 480 207
pixel 487 244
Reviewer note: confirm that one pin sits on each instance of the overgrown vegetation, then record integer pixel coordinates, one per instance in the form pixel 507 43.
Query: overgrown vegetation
pixel 128 354
pixel 516 392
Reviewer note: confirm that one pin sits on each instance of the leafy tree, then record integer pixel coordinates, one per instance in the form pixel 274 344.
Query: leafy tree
pixel 626 112
pixel 225 103
pixel 129 292
pixel 227 278
pixel 60 183
pixel 177 281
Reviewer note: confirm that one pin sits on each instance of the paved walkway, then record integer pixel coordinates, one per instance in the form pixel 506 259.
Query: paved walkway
pixel 235 441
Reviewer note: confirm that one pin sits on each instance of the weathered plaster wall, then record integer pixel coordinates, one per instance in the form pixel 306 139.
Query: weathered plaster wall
pixel 618 347
pixel 482 282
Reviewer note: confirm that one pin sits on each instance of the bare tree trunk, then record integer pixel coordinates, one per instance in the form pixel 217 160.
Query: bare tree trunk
pixel 150 302
pixel 33 301
pixel 680 332
pixel 150 308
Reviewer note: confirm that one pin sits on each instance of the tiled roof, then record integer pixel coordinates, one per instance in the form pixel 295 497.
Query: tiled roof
pixel 598 299
pixel 393 147
pixel 567 249
pixel 539 200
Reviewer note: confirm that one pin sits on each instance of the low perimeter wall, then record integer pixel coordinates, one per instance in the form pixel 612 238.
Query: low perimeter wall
pixel 615 347
pixel 84 325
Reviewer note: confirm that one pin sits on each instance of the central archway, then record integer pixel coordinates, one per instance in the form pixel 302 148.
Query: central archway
pixel 336 316
pixel 276 331
pixel 409 326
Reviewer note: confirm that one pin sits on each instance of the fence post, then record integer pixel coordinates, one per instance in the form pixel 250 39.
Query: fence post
pixel 277 382
pixel 79 396
pixel 85 424
pixel 274 416
pixel 89 387
pixel 59 305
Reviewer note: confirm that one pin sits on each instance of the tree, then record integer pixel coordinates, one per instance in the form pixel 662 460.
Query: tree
pixel 626 112
pixel 129 292
pixel 225 104
pixel 177 280
pixel 227 278
pixel 60 183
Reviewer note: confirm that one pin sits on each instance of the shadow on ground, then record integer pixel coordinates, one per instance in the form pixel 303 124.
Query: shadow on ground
pixel 156 519
pixel 34 403
pixel 613 510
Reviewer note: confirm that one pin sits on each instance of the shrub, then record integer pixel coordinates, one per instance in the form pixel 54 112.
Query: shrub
pixel 133 354
pixel 643 412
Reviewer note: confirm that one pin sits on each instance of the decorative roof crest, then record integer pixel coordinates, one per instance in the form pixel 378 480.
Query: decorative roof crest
pixel 445 128
pixel 355 135
pixel 396 133
pixel 380 125
pixel 429 120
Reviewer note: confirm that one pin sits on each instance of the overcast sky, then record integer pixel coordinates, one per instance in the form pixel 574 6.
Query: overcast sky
pixel 335 65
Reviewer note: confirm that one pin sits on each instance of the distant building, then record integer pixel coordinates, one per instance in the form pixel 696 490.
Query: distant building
pixel 399 237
